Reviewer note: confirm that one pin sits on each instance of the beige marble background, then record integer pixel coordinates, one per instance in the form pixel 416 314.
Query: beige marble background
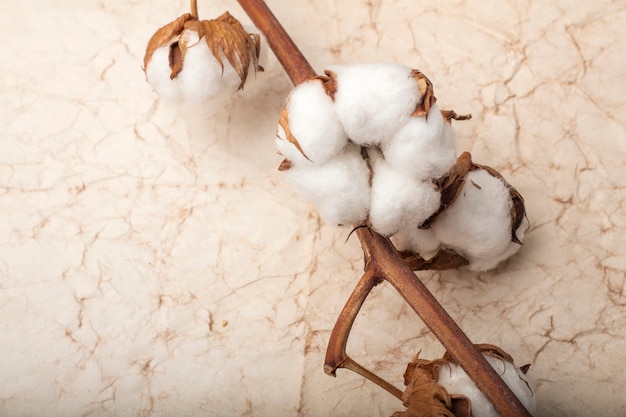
pixel 153 263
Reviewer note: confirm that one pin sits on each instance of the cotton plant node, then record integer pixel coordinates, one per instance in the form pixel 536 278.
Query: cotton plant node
pixel 201 47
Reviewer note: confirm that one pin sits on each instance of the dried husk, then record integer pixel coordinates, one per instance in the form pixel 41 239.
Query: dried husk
pixel 225 37
pixel 424 397
pixel 283 121
pixel 427 95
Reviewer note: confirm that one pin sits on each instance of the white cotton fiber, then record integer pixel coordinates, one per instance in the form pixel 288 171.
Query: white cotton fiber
pixel 313 123
pixel 202 76
pixel 423 147
pixel 478 224
pixel 374 100
pixel 421 241
pixel 455 381
pixel 158 75
pixel 339 188
pixel 398 200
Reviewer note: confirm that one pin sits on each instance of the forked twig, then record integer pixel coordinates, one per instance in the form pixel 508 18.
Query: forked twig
pixel 383 262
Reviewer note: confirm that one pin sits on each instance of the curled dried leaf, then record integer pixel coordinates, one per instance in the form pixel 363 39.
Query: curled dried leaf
pixel 283 121
pixel 165 36
pixel 449 115
pixel 329 82
pixel 423 397
pixel 226 35
pixel 427 95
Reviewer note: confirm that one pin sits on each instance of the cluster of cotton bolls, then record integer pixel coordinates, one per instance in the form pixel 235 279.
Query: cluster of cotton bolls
pixel 368 143
pixel 194 60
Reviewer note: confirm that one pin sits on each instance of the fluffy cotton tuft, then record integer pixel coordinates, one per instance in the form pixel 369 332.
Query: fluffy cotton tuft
pixel 423 147
pixel 201 78
pixel 456 381
pixel 421 241
pixel 312 121
pixel 399 200
pixel 339 188
pixel 158 75
pixel 374 100
pixel 478 224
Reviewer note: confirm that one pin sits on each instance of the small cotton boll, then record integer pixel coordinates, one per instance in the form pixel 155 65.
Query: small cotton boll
pixel 423 147
pixel 374 100
pixel 478 224
pixel 202 76
pixel 158 75
pixel 455 381
pixel 313 121
pixel 398 200
pixel 339 188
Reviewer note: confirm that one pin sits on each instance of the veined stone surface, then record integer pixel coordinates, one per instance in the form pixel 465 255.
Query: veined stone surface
pixel 153 263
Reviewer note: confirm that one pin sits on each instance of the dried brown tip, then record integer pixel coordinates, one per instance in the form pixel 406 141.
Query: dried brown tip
pixel 165 36
pixel 427 95
pixel 285 165
pixel 450 115
pixel 283 121
pixel 329 82
pixel 225 35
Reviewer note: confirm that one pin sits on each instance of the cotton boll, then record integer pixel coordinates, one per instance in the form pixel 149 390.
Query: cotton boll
pixel 478 224
pixel 374 100
pixel 202 76
pixel 456 381
pixel 399 200
pixel 339 188
pixel 423 147
pixel 313 123
pixel 158 75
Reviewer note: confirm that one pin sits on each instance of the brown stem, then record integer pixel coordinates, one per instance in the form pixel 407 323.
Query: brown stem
pixel 295 64
pixel 379 250
pixel 194 8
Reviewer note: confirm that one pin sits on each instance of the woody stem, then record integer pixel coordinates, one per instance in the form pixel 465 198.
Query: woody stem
pixel 380 251
pixel 194 8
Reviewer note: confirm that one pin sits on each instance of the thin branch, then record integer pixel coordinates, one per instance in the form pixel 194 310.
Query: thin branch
pixel 194 8
pixel 379 250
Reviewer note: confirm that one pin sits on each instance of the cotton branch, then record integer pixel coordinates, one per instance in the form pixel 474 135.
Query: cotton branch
pixel 382 259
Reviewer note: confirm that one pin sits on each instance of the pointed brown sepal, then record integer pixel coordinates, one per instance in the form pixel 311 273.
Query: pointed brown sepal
pixel 427 95
pixel 283 121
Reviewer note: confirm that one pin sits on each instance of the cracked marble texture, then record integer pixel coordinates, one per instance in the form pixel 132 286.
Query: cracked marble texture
pixel 153 263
